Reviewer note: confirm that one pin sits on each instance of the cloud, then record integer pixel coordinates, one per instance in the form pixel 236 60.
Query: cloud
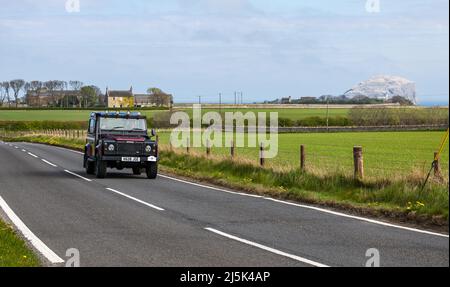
pixel 205 44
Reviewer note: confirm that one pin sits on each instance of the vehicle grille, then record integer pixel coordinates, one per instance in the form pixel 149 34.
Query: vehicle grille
pixel 130 148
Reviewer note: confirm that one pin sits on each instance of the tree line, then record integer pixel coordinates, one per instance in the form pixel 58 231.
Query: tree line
pixel 85 96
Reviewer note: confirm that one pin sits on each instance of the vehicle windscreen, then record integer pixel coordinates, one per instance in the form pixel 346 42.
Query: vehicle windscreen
pixel 120 124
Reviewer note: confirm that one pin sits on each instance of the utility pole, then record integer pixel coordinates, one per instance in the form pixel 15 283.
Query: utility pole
pixel 235 98
pixel 199 100
pixel 328 112
pixel 220 102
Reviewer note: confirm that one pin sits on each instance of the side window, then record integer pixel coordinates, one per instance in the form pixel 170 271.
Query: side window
pixel 91 126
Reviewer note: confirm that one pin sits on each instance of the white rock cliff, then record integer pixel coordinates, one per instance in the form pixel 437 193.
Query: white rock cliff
pixel 385 87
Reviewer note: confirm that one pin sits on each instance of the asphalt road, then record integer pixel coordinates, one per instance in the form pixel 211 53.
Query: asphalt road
pixel 127 220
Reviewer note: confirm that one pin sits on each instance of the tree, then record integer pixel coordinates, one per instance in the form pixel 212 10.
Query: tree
pixel 6 86
pixel 26 88
pixel 89 96
pixel 2 94
pixel 159 96
pixel 76 85
pixel 154 91
pixel 17 85
pixel 51 87
pixel 60 86
pixel 36 87
pixel 98 94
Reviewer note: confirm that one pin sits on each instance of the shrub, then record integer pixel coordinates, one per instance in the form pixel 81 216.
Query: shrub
pixel 41 125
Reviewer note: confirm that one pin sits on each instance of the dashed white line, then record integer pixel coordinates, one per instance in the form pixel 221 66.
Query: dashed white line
pixel 33 155
pixel 71 150
pixel 136 199
pixel 49 163
pixel 312 208
pixel 266 248
pixel 77 175
pixel 210 187
pixel 35 241
pixel 24 150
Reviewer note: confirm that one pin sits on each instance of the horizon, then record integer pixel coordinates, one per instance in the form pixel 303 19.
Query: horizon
pixel 202 48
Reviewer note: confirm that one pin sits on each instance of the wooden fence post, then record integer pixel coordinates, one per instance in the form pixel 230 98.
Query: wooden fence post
pixel 208 148
pixel 358 162
pixel 188 143
pixel 302 158
pixel 232 149
pixel 261 155
pixel 437 166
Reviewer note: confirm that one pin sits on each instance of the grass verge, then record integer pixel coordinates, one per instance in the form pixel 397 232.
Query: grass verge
pixel 13 250
pixel 397 199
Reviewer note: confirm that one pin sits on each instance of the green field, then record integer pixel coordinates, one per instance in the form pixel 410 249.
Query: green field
pixel 52 115
pixel 82 115
pixel 386 154
pixel 293 114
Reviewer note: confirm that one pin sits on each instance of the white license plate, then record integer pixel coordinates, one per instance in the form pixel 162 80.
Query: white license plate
pixel 131 159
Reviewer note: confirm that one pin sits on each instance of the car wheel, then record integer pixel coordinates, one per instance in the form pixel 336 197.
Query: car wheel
pixel 89 165
pixel 101 168
pixel 152 170
pixel 136 170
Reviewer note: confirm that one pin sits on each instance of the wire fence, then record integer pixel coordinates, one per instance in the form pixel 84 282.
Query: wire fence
pixel 385 155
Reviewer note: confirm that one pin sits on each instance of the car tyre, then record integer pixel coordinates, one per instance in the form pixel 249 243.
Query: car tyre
pixel 101 168
pixel 152 170
pixel 89 165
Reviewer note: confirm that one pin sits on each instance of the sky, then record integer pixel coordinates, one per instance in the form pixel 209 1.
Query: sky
pixel 265 49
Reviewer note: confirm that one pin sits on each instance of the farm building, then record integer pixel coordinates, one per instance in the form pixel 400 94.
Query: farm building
pixel 120 99
pixel 153 100
pixel 45 98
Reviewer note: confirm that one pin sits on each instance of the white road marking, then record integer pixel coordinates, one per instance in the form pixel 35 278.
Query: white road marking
pixel 16 147
pixel 359 218
pixel 77 175
pixel 210 187
pixel 313 208
pixel 135 199
pixel 33 155
pixel 24 150
pixel 266 248
pixel 49 163
pixel 35 241
pixel 297 205
pixel 71 150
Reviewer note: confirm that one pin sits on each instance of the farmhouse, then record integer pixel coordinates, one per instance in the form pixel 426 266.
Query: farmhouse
pixel 45 98
pixel 120 99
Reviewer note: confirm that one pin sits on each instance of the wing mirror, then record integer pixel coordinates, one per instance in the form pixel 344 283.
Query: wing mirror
pixel 153 132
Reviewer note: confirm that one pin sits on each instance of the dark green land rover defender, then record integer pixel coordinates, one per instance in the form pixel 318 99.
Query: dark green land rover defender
pixel 120 140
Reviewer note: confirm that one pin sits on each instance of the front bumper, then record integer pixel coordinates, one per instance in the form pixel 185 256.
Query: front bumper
pixel 119 159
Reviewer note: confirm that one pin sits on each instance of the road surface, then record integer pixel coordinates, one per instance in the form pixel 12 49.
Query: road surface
pixel 127 220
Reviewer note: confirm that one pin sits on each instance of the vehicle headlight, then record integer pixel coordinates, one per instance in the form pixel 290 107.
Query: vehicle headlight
pixel 111 147
pixel 148 148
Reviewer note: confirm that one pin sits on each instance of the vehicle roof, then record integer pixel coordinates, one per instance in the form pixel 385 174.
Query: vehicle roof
pixel 124 115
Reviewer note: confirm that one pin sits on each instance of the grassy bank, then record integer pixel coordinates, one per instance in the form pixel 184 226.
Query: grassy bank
pixel 398 198
pixel 13 250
